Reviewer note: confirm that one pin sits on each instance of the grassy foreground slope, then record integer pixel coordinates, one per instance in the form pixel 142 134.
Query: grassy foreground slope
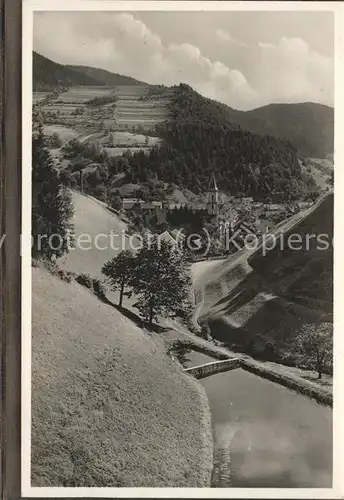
pixel 109 407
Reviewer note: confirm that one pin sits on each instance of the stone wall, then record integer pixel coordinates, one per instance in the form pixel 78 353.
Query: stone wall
pixel 208 369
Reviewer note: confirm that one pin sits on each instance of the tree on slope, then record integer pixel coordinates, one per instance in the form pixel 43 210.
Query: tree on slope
pixel 52 207
pixel 314 344
pixel 161 280
pixel 119 272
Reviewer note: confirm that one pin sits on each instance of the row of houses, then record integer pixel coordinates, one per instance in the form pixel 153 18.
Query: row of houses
pixel 175 238
pixel 246 203
pixel 130 203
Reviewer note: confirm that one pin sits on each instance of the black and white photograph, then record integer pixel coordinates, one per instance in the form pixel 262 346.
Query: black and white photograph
pixel 177 246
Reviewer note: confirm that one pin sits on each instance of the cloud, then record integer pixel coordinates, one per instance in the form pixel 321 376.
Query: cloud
pixel 122 43
pixel 291 71
pixel 223 36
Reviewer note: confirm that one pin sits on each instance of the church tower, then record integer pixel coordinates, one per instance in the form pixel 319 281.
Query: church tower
pixel 213 197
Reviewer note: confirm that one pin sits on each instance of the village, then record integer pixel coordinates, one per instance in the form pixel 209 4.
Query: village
pixel 241 216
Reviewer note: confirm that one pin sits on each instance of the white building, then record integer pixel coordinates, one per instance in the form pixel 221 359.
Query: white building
pixel 128 203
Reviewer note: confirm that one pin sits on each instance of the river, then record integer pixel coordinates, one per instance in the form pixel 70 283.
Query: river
pixel 264 434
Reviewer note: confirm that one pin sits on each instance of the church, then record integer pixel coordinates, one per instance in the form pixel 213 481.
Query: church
pixel 210 208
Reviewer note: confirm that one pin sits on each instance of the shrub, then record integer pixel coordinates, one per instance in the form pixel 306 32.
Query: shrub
pixel 93 284
pixel 180 350
pixel 55 141
pixel 205 331
pixel 84 280
pixel 100 192
pixel 64 275
pixel 98 288
pixel 53 269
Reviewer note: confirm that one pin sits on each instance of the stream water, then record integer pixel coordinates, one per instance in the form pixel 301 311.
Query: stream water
pixel 264 434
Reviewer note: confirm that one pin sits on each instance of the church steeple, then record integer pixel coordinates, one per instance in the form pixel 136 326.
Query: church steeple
pixel 212 184
pixel 213 197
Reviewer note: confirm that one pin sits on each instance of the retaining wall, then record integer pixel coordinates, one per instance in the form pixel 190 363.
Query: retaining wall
pixel 308 389
pixel 208 369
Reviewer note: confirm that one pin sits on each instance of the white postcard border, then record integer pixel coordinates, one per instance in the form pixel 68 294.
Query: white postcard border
pixel 337 491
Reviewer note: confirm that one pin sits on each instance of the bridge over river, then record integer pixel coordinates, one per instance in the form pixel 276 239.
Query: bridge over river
pixel 264 434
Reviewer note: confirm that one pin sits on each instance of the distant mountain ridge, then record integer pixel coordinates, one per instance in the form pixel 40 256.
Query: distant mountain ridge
pixel 106 77
pixel 48 74
pixel 308 126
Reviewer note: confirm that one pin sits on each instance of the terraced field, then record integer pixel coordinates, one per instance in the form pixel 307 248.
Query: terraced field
pixel 80 95
pixel 136 107
pixel 147 113
pixel 70 116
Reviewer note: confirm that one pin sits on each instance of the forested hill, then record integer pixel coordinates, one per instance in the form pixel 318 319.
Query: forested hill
pixel 187 106
pixel 308 126
pixel 48 74
pixel 106 77
pixel 201 139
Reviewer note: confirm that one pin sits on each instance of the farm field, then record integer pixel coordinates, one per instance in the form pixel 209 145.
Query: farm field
pixel 319 176
pixel 120 151
pixel 79 95
pixel 65 133
pixel 134 107
pixel 136 138
pixel 147 113
pixel 128 138
pixel 323 165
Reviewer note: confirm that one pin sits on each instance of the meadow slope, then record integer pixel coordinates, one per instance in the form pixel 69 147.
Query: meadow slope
pixel 109 407
pixel 92 219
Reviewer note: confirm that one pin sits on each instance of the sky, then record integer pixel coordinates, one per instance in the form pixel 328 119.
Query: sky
pixel 244 59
